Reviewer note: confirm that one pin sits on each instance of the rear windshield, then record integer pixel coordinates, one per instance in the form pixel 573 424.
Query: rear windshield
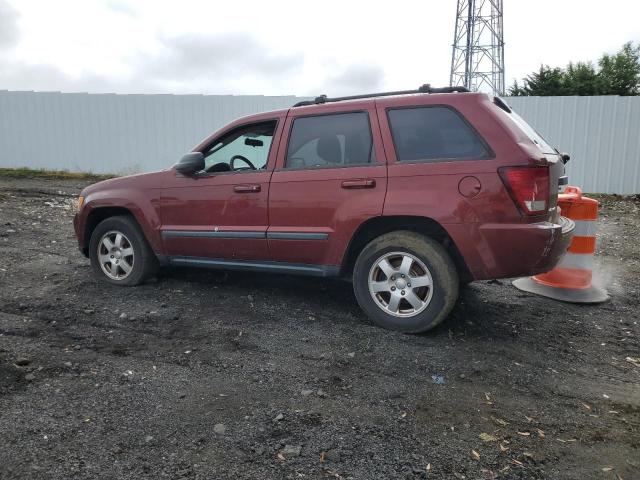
pixel 529 131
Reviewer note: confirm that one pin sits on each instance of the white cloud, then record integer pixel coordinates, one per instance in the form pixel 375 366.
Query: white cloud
pixel 281 47
pixel 8 25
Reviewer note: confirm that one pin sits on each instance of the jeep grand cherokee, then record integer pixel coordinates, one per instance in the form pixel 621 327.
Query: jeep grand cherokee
pixel 408 193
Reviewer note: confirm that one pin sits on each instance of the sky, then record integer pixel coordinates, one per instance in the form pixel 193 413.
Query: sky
pixel 281 47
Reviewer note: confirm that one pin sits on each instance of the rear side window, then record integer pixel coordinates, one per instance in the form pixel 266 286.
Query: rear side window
pixel 333 140
pixel 434 133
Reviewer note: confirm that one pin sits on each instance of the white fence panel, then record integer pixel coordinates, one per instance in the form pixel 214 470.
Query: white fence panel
pixel 602 135
pixel 108 133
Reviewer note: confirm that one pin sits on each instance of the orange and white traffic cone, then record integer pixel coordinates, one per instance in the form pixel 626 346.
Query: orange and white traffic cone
pixel 571 280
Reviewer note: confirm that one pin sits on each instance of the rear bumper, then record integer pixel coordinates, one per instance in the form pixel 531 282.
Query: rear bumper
pixel 558 245
pixel 515 250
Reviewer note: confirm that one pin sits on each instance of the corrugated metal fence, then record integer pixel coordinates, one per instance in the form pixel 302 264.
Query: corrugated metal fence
pixel 602 135
pixel 107 133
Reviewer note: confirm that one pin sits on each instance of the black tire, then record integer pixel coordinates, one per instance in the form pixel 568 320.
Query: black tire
pixel 144 261
pixel 432 254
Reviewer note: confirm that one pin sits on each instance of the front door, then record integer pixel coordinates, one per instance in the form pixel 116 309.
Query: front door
pixel 221 213
pixel 330 177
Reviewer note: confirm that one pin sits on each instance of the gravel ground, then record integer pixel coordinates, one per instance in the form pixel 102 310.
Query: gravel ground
pixel 215 375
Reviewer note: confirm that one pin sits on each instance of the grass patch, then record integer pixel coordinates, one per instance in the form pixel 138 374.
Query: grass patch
pixel 51 174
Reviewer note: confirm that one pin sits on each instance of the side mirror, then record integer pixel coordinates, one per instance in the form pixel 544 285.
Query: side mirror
pixel 190 163
pixel 565 157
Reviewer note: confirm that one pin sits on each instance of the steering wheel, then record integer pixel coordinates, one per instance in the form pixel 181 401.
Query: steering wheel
pixel 244 159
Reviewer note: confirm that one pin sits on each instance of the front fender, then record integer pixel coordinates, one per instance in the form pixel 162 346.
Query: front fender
pixel 143 204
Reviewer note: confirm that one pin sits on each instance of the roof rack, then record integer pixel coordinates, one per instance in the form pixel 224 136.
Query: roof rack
pixel 426 88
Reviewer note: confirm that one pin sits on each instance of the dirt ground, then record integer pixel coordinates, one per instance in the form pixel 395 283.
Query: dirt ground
pixel 214 375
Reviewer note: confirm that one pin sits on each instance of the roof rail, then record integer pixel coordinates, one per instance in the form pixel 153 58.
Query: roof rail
pixel 426 88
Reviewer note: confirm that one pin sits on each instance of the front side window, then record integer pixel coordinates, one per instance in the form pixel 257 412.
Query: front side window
pixel 334 140
pixel 433 133
pixel 245 148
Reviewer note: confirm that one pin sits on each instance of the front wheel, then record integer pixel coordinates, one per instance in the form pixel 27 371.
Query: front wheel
pixel 119 252
pixel 405 281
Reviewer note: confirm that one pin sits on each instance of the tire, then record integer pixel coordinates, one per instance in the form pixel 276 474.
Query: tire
pixel 428 262
pixel 135 260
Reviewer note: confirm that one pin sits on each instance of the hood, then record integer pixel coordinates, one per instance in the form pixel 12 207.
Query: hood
pixel 139 180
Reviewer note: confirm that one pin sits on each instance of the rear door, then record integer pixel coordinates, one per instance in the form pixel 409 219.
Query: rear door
pixel 330 177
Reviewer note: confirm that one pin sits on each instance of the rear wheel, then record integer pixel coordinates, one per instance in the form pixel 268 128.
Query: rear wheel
pixel 405 281
pixel 119 252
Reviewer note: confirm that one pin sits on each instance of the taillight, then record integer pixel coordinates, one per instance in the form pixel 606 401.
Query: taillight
pixel 529 188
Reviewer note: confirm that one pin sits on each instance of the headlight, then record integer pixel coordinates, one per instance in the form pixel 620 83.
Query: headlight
pixel 80 203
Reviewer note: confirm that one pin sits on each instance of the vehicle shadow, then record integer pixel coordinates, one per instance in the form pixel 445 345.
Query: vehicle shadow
pixel 472 316
pixel 331 292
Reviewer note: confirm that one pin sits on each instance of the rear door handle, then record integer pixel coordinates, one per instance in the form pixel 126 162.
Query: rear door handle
pixel 247 188
pixel 359 183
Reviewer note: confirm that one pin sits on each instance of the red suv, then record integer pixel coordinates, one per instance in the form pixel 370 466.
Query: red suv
pixel 409 193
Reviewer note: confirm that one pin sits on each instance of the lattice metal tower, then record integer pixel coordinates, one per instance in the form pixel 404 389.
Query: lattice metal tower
pixel 477 61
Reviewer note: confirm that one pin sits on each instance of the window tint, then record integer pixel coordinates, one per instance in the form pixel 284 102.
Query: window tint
pixel 431 133
pixel 251 142
pixel 330 140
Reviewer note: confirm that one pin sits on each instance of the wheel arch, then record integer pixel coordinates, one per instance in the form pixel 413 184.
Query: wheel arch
pixel 376 226
pixel 99 214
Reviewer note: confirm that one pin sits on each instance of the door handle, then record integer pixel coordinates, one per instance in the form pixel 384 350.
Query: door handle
pixel 359 183
pixel 247 188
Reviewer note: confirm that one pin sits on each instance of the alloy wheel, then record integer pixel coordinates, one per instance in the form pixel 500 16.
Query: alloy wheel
pixel 115 255
pixel 400 284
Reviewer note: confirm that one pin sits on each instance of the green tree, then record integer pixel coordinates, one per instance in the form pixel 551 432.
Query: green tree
pixel 515 90
pixel 617 74
pixel 620 73
pixel 582 79
pixel 545 82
